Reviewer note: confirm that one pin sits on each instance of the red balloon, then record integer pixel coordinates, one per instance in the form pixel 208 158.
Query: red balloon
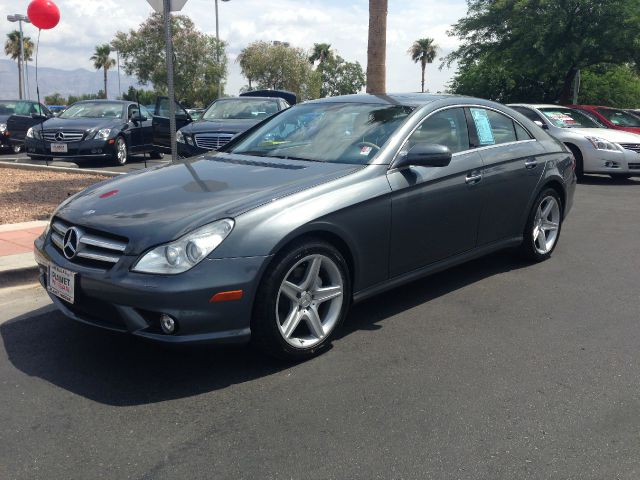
pixel 43 14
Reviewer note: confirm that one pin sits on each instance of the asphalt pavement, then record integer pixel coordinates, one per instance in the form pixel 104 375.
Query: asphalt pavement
pixel 135 162
pixel 497 369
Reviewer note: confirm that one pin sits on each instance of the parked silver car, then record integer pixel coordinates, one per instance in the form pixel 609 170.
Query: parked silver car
pixel 597 149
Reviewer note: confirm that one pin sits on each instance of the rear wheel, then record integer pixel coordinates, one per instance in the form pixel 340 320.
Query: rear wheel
pixel 301 302
pixel 121 153
pixel 543 227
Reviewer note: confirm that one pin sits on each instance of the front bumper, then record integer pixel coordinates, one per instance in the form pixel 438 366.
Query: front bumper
pixel 627 162
pixel 121 300
pixel 84 149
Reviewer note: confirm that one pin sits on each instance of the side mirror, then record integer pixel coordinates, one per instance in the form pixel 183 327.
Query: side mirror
pixel 425 155
pixel 541 124
pixel 137 118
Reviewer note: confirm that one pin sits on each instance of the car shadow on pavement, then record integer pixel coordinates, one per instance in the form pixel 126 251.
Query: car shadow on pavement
pixel 607 180
pixel 121 370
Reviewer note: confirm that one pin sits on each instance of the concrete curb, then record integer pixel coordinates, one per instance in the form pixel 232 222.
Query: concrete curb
pixel 17 270
pixel 28 166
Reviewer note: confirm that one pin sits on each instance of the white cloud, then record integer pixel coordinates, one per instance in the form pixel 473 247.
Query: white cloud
pixel 85 24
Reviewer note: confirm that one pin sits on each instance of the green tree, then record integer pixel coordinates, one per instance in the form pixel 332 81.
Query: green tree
pixel 12 48
pixel 102 60
pixel 55 99
pixel 340 77
pixel 617 86
pixel 145 97
pixel 320 53
pixel 532 49
pixel 280 67
pixel 197 71
pixel 423 50
pixel 377 47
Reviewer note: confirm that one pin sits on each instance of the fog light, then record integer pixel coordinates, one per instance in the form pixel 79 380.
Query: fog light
pixel 167 323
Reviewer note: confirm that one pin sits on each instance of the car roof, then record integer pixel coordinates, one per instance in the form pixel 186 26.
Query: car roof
pixel 408 99
pixel 249 98
pixel 537 105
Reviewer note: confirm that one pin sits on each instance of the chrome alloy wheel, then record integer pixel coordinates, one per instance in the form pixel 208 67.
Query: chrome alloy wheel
pixel 309 301
pixel 546 225
pixel 121 151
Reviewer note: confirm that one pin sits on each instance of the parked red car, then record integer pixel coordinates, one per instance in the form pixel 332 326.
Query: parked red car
pixel 616 118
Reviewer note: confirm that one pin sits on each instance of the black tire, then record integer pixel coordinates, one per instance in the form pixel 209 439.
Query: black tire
pixel 528 248
pixel 155 155
pixel 265 327
pixel 577 154
pixel 120 143
pixel 620 176
pixel 16 148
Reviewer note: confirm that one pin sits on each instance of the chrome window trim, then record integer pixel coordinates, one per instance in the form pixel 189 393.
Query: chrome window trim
pixel 475 149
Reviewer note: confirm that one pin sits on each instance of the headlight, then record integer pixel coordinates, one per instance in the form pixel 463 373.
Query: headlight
pixel 179 137
pixel 3 127
pixel 186 252
pixel 188 139
pixel 102 134
pixel 602 144
pixel 34 133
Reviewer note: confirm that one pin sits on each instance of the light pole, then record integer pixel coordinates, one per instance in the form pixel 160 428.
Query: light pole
pixel 218 48
pixel 20 18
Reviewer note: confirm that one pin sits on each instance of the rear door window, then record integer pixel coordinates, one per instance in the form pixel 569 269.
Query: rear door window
pixel 493 128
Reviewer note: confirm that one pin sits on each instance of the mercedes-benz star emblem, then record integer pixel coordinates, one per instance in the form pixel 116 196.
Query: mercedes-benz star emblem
pixel 59 136
pixel 70 242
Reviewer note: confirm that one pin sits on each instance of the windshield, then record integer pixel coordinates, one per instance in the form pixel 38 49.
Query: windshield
pixel 7 108
pixel 93 110
pixel 619 118
pixel 326 132
pixel 567 118
pixel 240 108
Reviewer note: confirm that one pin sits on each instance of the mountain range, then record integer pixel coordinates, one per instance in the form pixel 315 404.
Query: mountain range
pixel 64 82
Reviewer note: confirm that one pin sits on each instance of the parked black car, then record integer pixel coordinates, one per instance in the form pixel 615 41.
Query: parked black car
pixel 328 202
pixel 16 117
pixel 96 129
pixel 226 117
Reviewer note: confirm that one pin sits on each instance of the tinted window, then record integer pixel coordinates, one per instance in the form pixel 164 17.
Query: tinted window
pixel 493 128
pixel 568 118
pixel 619 117
pixel 521 133
pixel 7 108
pixel 326 132
pixel 447 127
pixel 241 108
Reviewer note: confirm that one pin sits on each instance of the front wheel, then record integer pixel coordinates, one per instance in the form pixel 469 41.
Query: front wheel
pixel 543 226
pixel 301 302
pixel 16 148
pixel 121 154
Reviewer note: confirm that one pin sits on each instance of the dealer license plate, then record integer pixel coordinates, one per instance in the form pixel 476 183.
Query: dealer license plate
pixel 59 147
pixel 61 283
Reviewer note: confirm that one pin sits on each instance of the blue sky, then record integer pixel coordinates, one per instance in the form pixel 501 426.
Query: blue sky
pixel 85 23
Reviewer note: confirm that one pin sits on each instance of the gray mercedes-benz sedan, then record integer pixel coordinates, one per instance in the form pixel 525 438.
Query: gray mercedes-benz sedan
pixel 329 202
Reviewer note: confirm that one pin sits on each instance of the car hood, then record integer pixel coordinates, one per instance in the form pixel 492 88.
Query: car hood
pixel 227 126
pixel 161 204
pixel 80 123
pixel 617 136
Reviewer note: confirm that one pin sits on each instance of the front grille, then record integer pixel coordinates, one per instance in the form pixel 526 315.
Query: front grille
pixel 64 137
pixel 634 166
pixel 631 146
pixel 212 141
pixel 94 249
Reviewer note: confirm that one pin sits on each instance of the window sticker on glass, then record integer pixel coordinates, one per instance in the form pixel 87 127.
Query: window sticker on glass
pixel 483 126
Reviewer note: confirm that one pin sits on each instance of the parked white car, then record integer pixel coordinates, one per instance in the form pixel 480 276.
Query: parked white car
pixel 597 149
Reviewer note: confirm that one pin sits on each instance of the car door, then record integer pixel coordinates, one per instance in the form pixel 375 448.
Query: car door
pixel 435 210
pixel 513 163
pixel 27 115
pixel 160 123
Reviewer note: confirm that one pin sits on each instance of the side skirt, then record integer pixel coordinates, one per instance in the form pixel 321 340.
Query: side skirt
pixel 436 267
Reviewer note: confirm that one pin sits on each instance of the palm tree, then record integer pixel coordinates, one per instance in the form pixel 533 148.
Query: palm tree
pixel 424 51
pixel 377 47
pixel 102 60
pixel 12 49
pixel 320 52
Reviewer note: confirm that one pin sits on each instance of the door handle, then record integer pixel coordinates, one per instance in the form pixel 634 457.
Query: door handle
pixel 473 178
pixel 530 164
